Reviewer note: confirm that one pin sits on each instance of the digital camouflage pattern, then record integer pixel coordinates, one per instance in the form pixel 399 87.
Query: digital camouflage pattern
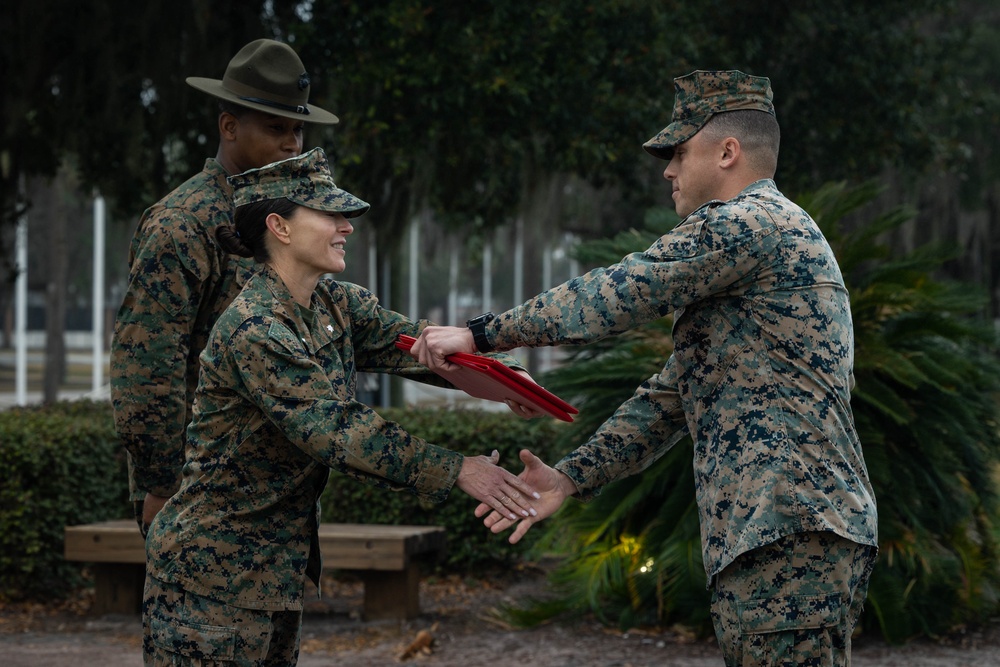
pixel 702 94
pixel 761 372
pixel 305 180
pixel 276 409
pixel 180 281
pixel 793 602
pixel 181 628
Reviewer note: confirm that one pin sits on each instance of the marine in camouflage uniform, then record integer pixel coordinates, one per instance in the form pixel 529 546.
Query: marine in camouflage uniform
pixel 274 412
pixel 180 280
pixel 760 376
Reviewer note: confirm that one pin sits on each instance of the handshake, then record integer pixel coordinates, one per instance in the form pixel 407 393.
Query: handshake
pixel 506 500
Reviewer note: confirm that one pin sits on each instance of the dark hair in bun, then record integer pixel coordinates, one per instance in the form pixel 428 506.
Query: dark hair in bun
pixel 245 237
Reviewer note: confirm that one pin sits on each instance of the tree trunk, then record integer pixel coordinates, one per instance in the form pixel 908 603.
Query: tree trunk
pixel 49 218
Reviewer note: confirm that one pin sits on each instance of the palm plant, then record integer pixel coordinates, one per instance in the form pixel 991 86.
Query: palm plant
pixel 926 410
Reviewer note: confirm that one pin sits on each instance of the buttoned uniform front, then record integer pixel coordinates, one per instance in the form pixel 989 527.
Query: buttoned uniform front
pixel 274 412
pixel 760 376
pixel 180 282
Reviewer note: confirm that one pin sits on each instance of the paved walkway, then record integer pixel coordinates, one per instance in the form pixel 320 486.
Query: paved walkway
pixel 113 641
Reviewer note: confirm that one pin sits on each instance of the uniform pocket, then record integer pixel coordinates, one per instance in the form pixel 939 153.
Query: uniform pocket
pixel 194 640
pixel 680 243
pixel 801 612
pixel 793 630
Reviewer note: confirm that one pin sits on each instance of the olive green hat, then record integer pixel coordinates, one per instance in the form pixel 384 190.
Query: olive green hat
pixel 267 76
pixel 305 180
pixel 702 94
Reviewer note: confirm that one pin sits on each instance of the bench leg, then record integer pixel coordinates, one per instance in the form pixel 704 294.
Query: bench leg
pixel 392 594
pixel 118 588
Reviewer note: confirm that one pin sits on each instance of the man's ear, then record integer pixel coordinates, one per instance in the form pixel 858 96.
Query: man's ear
pixel 731 150
pixel 227 126
pixel 278 226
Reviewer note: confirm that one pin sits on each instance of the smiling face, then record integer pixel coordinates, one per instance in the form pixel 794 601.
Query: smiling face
pixel 694 172
pixel 318 240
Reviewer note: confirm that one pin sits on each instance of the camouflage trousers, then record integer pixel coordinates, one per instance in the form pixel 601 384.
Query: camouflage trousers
pixel 794 602
pixel 181 629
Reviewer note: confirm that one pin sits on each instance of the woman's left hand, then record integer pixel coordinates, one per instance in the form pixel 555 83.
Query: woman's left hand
pixel 495 487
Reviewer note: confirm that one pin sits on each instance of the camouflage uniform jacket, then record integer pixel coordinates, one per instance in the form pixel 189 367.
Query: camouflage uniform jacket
pixel 180 281
pixel 275 410
pixel 761 372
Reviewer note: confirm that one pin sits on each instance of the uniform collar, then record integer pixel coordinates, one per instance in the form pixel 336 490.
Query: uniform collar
pixel 325 327
pixel 213 168
pixel 757 186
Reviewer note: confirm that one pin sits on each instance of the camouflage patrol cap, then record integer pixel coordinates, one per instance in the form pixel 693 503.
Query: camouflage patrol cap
pixel 305 180
pixel 700 95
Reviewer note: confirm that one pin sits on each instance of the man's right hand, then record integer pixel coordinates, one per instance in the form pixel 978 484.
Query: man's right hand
pixel 553 486
pixel 435 343
pixel 151 505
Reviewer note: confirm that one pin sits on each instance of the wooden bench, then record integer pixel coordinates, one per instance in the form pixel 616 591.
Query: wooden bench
pixel 385 557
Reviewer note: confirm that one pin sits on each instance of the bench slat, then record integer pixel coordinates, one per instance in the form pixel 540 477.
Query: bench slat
pixel 345 546
pixel 105 542
pixel 389 550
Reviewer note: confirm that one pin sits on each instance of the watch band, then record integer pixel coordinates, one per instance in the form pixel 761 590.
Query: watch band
pixel 478 327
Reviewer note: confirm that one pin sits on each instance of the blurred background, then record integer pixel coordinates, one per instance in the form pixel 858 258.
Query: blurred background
pixel 490 137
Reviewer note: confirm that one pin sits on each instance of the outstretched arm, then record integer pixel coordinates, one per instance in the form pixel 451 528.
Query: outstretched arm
pixel 553 486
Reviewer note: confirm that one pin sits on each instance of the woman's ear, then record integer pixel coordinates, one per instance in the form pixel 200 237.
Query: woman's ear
pixel 278 226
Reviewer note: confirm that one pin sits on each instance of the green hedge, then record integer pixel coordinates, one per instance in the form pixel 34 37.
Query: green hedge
pixel 60 465
pixel 470 545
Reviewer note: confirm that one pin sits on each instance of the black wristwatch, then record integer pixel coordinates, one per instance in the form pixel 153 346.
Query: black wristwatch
pixel 478 327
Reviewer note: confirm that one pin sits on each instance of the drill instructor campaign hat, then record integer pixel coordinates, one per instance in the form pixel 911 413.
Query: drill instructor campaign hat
pixel 268 76
pixel 305 180
pixel 700 95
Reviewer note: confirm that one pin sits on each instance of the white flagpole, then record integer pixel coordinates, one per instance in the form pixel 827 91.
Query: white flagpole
pixel 413 308
pixel 21 308
pixel 97 375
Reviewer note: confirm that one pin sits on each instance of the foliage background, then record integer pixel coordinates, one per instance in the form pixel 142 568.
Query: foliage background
pixel 61 466
pixel 471 108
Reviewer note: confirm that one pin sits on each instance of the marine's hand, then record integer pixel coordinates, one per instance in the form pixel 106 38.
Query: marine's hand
pixel 553 486
pixel 151 505
pixel 436 343
pixel 524 411
pixel 496 488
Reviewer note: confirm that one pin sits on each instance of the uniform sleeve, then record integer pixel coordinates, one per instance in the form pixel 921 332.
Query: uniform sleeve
pixel 643 429
pixel 375 331
pixel 712 251
pixel 151 346
pixel 297 396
